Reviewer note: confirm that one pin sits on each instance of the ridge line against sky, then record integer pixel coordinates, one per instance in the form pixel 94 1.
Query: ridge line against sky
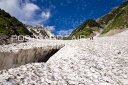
pixel 59 16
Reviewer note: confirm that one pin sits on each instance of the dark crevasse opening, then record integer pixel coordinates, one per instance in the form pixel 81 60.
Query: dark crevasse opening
pixel 48 55
pixel 25 56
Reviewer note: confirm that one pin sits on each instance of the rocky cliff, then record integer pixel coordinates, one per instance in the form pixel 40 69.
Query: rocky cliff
pixel 40 32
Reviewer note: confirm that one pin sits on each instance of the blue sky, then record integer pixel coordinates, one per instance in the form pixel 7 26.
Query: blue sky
pixel 60 16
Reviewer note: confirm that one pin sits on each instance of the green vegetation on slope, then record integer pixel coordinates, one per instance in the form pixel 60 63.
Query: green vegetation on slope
pixel 116 19
pixel 10 25
pixel 85 29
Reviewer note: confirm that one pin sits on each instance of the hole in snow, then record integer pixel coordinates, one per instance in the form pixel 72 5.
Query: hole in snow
pixel 48 55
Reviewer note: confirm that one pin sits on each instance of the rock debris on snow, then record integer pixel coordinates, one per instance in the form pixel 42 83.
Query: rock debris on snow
pixel 102 61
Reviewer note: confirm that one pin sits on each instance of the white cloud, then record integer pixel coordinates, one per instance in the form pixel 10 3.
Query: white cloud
pixel 51 28
pixel 29 10
pixel 64 32
pixel 24 11
pixel 46 15
pixel 31 7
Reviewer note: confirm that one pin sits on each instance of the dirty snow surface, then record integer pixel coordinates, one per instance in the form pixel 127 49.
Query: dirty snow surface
pixel 102 61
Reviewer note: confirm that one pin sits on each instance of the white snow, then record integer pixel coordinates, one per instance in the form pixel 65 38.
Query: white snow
pixel 102 61
pixel 33 43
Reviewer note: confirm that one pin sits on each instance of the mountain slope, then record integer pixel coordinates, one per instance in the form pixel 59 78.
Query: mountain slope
pixel 116 19
pixel 10 26
pixel 86 29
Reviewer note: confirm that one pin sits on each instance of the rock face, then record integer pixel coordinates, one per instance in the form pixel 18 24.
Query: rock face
pixel 24 56
pixel 40 32
pixel 4 39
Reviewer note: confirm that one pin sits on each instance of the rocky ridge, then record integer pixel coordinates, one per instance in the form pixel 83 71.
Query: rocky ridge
pixel 40 32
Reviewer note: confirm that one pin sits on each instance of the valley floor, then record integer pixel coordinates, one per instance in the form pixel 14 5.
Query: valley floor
pixel 102 61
